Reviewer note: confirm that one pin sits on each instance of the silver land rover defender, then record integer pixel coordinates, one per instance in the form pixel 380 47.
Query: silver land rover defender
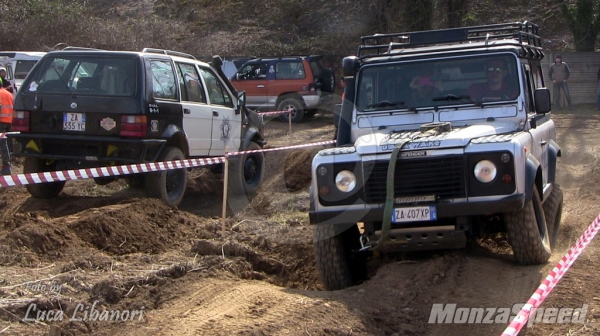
pixel 442 135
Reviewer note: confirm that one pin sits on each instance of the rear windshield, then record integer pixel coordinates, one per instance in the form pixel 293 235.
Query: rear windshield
pixel 84 76
pixel 22 68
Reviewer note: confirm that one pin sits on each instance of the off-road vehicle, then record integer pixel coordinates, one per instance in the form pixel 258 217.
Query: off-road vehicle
pixel 81 108
pixel 443 135
pixel 299 83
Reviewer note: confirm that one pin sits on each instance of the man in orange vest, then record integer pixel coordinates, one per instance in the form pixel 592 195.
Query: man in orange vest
pixel 6 116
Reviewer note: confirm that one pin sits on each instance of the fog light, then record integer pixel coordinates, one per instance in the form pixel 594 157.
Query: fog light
pixel 506 178
pixel 324 191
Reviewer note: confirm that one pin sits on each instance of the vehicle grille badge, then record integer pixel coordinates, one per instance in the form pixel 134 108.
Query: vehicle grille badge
pixel 73 105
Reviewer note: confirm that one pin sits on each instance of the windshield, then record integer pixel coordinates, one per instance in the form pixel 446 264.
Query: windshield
pixel 85 76
pixel 472 80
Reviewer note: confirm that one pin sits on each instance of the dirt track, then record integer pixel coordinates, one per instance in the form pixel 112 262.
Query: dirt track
pixel 111 245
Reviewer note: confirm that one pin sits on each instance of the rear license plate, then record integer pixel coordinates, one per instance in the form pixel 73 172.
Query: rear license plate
pixel 414 214
pixel 74 122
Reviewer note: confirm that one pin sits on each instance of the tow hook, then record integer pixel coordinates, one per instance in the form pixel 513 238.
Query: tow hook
pixel 364 240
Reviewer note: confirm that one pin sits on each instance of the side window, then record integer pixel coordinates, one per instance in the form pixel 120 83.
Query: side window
pixel 255 71
pixel 217 93
pixel 528 80
pixel 190 84
pixel 289 70
pixel 163 79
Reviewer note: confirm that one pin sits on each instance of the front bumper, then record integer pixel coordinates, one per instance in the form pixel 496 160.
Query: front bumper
pixel 371 213
pixel 86 148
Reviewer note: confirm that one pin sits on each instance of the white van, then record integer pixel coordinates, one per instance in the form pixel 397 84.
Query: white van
pixel 18 64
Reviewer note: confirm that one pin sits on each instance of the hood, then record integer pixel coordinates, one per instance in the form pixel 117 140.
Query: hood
pixel 457 137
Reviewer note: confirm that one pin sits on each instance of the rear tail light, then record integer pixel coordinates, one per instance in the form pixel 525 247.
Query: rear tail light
pixel 20 122
pixel 134 126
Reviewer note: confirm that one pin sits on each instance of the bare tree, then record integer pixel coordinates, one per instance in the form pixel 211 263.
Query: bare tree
pixel 455 12
pixel 583 18
pixel 418 14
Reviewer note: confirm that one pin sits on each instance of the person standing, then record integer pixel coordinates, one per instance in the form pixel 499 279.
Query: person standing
pixel 6 116
pixel 559 74
pixel 598 91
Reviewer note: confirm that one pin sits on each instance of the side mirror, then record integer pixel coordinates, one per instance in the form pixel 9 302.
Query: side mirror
pixel 542 100
pixel 241 102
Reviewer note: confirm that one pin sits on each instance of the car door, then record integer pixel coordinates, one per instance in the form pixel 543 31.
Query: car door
pixel 226 125
pixel 252 78
pixel 197 114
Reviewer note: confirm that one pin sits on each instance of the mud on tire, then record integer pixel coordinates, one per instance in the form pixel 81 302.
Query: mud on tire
pixel 167 185
pixel 528 234
pixel 42 190
pixel 339 263
pixel 553 213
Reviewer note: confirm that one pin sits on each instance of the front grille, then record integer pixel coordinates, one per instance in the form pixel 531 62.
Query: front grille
pixel 443 177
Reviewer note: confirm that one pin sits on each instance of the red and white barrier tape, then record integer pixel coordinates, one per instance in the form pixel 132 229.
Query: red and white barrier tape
pixel 87 173
pixel 3 135
pixel 552 279
pixel 282 148
pixel 274 112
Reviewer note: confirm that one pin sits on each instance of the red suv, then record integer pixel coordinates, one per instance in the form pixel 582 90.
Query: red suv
pixel 299 83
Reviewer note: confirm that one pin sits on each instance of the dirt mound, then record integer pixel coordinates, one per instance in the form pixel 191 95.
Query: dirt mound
pixel 146 226
pixel 297 170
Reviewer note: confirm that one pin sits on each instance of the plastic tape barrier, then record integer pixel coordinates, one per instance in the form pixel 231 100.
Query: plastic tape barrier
pixel 274 112
pixel 552 279
pixel 88 173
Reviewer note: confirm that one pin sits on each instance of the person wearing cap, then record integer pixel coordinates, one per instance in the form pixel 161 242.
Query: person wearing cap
pixel 6 116
pixel 559 74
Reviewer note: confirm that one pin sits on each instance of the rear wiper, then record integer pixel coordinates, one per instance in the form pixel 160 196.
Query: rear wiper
pixel 462 98
pixel 65 83
pixel 387 103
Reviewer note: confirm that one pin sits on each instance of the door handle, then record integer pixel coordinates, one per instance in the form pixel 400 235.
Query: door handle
pixel 215 114
pixel 543 143
pixel 260 86
pixel 186 111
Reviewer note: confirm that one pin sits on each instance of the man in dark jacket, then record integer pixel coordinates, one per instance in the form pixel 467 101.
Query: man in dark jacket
pixel 598 91
pixel 559 74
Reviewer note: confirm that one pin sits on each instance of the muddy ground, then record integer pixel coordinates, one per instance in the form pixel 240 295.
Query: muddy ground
pixel 183 276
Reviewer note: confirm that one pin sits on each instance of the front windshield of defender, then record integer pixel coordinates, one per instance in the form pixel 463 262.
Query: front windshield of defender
pixel 475 80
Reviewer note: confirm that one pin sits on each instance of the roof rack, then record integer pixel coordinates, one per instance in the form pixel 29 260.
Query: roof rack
pixel 167 52
pixel 524 33
pixel 78 48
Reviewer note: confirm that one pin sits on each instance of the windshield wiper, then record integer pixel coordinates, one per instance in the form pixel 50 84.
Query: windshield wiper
pixel 461 98
pixel 387 103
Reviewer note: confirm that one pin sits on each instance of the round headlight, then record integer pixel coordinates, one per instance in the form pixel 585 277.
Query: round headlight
pixel 345 181
pixel 485 171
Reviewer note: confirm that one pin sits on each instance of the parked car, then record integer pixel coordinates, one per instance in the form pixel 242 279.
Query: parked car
pixel 82 108
pixel 299 83
pixel 18 64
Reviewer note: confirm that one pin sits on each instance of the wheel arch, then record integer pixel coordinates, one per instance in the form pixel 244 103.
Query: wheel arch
pixel 294 95
pixel 533 177
pixel 176 137
pixel 252 135
pixel 554 153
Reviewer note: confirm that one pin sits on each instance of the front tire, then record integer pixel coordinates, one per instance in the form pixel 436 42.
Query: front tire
pixel 528 234
pixel 168 185
pixel 246 173
pixel 42 190
pixel 553 212
pixel 294 105
pixel 339 262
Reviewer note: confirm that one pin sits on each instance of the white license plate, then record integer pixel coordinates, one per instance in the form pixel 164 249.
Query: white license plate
pixel 414 214
pixel 74 122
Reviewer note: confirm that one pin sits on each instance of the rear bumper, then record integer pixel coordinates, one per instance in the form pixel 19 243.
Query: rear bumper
pixel 86 148
pixel 444 210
